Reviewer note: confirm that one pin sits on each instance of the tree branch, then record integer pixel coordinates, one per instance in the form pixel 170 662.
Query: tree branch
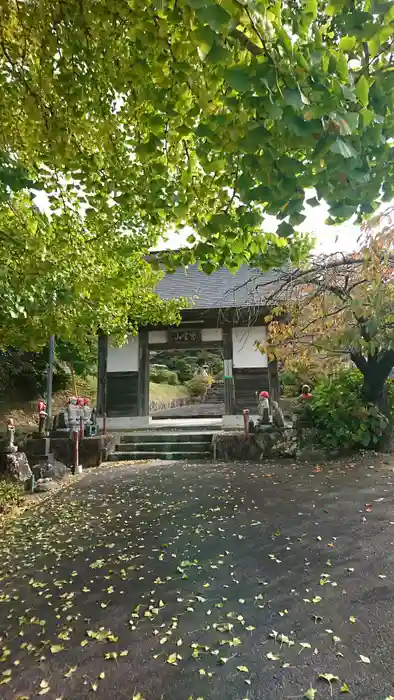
pixel 247 43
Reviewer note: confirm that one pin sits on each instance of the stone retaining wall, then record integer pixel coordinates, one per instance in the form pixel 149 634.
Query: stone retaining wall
pixel 92 450
pixel 155 405
pixel 235 445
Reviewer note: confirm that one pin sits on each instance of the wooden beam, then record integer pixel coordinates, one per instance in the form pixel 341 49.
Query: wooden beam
pixel 273 380
pixel 207 345
pixel 143 373
pixel 229 397
pixel 102 360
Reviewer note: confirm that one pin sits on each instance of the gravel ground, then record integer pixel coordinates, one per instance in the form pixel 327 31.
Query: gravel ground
pixel 212 580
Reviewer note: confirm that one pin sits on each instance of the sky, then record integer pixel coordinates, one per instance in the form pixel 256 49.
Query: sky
pixel 329 239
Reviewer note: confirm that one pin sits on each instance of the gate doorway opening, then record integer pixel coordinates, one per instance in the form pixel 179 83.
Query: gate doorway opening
pixel 186 382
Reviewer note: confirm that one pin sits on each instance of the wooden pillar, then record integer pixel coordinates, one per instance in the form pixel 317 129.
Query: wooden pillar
pixel 143 373
pixel 273 380
pixel 229 398
pixel 102 375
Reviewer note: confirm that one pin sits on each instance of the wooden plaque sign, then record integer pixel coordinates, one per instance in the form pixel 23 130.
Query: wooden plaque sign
pixel 184 336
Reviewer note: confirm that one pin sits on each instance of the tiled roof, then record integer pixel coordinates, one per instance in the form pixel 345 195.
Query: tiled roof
pixel 221 289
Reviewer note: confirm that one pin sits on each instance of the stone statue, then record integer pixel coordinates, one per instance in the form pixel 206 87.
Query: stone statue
pixel 87 412
pixel 278 419
pixel 72 413
pixel 303 425
pixel 13 464
pixel 306 393
pixel 10 447
pixel 42 416
pixel 263 409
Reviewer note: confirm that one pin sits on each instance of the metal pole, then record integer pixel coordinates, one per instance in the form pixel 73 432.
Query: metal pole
pixel 76 448
pixel 50 379
pixel 246 422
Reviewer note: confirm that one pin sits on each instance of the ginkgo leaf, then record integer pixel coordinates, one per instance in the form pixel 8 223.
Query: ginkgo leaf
pixel 272 657
pixel 344 688
pixel 365 659
pixel 70 671
pixel 55 648
pixel 244 669
pixel 310 694
pixel 329 677
pixel 172 659
pixel 44 686
pixel 352 619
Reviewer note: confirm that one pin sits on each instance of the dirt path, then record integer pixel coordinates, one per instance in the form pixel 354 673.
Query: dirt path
pixel 176 581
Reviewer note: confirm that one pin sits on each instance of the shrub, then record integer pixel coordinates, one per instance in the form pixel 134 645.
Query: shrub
pixel 338 417
pixel 197 387
pixel 23 375
pixel 290 383
pixel 183 369
pixel 302 370
pixel 162 375
pixel 10 494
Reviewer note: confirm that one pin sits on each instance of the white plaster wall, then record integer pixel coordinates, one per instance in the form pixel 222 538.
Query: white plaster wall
pixel 125 423
pixel 125 358
pixel 157 337
pixel 236 421
pixel 209 335
pixel 245 353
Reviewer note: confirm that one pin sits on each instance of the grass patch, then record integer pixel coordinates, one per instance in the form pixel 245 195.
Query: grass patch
pixel 10 494
pixel 166 392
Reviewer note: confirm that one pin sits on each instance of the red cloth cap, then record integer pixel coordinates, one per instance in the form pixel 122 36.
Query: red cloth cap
pixel 264 395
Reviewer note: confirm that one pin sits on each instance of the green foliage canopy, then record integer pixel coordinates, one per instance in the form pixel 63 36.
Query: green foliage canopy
pixel 201 112
pixel 58 276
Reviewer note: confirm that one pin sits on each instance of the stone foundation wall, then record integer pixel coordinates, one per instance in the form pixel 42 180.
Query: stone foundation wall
pixel 92 450
pixel 235 445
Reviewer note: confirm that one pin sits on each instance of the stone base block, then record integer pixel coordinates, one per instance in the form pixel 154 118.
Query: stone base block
pixel 92 450
pixel 15 466
pixel 52 469
pixel 236 445
pixel 37 449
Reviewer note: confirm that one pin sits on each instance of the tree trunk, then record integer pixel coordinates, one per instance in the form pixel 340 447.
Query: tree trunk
pixel 73 378
pixel 374 391
pixel 375 371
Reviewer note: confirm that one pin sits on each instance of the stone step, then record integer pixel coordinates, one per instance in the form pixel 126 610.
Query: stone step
pixel 177 425
pixel 165 446
pixel 162 455
pixel 169 437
